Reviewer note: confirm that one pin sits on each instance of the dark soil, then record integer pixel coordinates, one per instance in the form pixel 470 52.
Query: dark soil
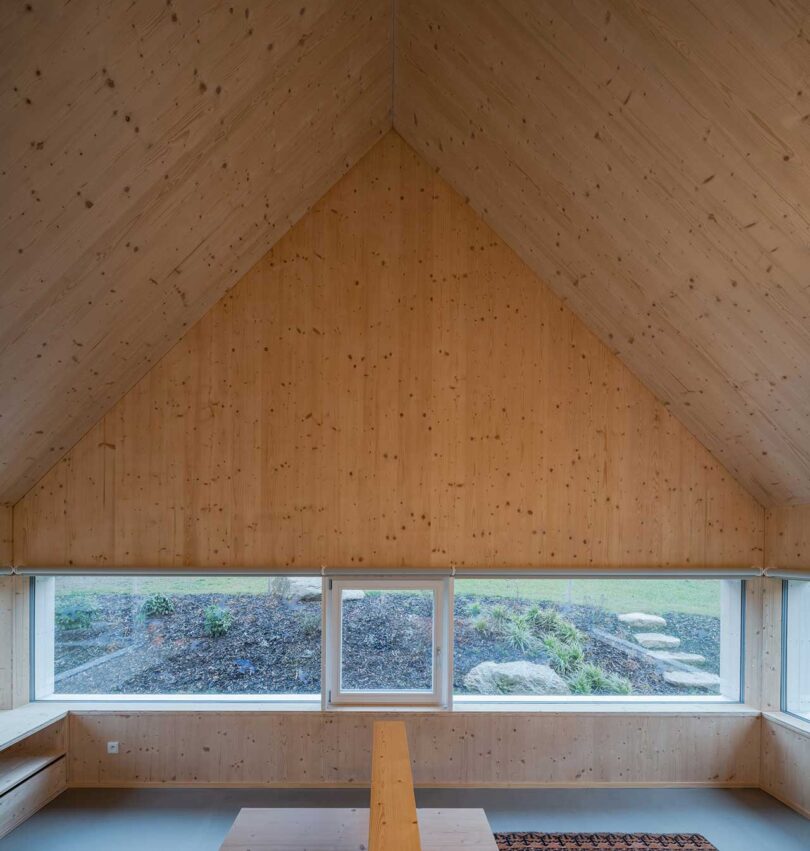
pixel 274 646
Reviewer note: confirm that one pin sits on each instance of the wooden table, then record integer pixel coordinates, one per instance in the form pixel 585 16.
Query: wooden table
pixel 326 829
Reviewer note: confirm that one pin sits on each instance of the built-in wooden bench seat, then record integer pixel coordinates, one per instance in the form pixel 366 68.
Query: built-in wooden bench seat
pixel 33 771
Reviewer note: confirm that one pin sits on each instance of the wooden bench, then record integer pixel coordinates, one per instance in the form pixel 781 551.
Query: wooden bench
pixel 391 824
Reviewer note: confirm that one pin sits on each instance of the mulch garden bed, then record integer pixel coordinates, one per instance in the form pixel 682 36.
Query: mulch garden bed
pixel 274 645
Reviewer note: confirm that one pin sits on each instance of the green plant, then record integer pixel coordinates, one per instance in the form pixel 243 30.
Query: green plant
pixel 482 626
pixel 567 632
pixel 591 679
pixel 474 609
pixel 217 621
pixel 156 606
pixel 499 618
pixel 543 621
pixel 518 634
pixel 564 658
pixel 77 614
pixel 310 624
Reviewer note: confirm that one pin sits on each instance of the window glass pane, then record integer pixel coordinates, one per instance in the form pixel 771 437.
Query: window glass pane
pixel 591 637
pixel 797 648
pixel 178 635
pixel 387 640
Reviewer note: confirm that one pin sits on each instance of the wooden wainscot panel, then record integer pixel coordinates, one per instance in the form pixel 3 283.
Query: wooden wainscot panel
pixel 24 800
pixel 786 763
pixel 447 749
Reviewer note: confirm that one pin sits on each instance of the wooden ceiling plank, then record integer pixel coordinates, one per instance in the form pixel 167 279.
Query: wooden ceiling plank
pixel 244 119
pixel 584 134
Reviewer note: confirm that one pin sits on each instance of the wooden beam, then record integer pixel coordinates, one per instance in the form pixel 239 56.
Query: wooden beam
pixel 392 824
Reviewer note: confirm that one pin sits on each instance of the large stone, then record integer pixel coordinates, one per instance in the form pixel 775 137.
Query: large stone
pixel 692 679
pixel 306 589
pixel 520 677
pixel 678 656
pixel 642 620
pixel 657 640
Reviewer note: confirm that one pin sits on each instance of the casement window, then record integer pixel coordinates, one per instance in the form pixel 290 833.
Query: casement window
pixel 412 639
pixel 388 641
pixel 796 647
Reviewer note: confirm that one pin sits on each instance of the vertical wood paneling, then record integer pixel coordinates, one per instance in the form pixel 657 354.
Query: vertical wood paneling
pixel 14 641
pixel 786 764
pixel 447 749
pixel 787 536
pixel 389 386
pixel 5 535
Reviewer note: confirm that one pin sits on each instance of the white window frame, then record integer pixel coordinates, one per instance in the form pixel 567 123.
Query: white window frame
pixel 795 648
pixel 440 695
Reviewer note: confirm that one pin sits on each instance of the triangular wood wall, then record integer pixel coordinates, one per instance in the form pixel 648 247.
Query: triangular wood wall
pixel 390 385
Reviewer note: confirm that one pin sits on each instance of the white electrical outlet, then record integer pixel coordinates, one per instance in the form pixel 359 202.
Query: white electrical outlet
pixel 112 747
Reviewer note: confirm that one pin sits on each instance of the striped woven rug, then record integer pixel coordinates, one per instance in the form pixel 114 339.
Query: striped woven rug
pixel 602 842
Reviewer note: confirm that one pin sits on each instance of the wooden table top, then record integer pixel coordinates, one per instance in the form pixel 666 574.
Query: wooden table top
pixel 328 829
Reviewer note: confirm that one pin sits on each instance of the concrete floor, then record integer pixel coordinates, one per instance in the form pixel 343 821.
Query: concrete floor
pixel 198 819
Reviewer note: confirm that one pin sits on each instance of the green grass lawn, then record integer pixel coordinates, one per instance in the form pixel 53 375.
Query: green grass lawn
pixel 655 596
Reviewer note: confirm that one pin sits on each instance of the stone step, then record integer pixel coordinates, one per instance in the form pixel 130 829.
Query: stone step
pixel 642 619
pixel 696 679
pixel 678 656
pixel 657 640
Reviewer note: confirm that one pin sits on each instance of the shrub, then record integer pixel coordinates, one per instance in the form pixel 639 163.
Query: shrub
pixel 217 621
pixel 619 685
pixel 499 618
pixel 482 626
pixel 157 606
pixel 567 632
pixel 474 609
pixel 518 634
pixel 310 624
pixel 564 658
pixel 78 614
pixel 543 621
pixel 591 679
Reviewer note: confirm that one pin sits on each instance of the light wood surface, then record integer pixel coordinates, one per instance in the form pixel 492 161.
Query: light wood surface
pixel 448 749
pixel 333 829
pixel 786 761
pixel 16 769
pixel 392 823
pixel 152 152
pixel 39 722
pixel 24 800
pixel 787 537
pixel 15 665
pixel 649 159
pixel 5 535
pixel 389 386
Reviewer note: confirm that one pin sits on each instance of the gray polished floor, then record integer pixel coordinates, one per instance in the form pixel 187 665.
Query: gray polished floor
pixel 198 819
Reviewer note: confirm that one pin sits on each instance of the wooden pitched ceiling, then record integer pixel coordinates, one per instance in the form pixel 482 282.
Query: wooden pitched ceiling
pixel 151 153
pixel 648 159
